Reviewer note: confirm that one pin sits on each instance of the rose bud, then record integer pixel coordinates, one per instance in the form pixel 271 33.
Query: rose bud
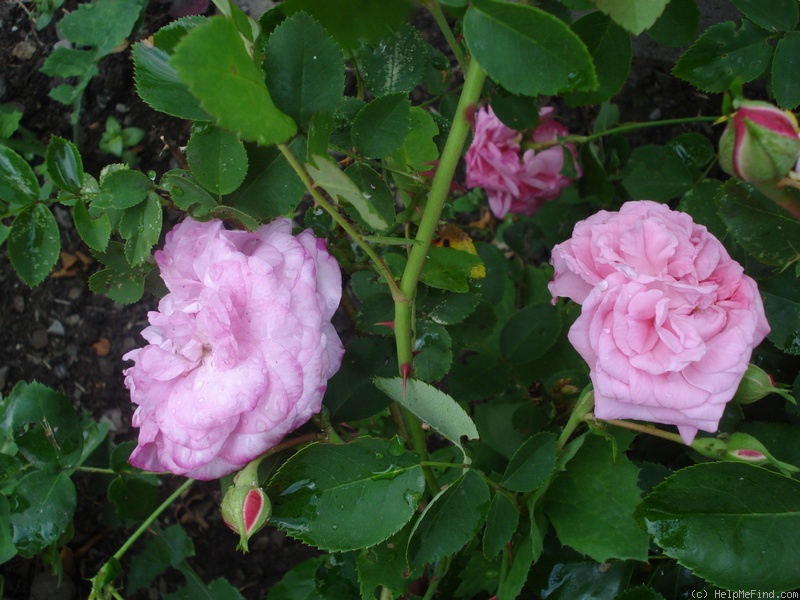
pixel 756 384
pixel 245 509
pixel 740 447
pixel 760 144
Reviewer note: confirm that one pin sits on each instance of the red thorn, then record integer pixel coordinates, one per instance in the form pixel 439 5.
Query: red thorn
pixel 389 324
pixel 405 371
pixel 415 352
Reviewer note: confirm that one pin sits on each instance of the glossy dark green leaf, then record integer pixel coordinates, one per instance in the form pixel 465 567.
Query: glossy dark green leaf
pixel 133 498
pixel 64 165
pixel 521 560
pixel 299 583
pixel 610 48
pixel 419 148
pixel 10 116
pixel 374 190
pixel 501 523
pixel 765 230
pixel 592 503
pixel 723 53
pixel 45 426
pixel 140 226
pixel 348 496
pixel 304 68
pixel 71 62
pixel 122 189
pixel 166 548
pixel 43 504
pixel 213 61
pixel 778 15
pixel 187 193
pixel 694 518
pixel 33 243
pixel 632 15
pixel 18 183
pixel 432 406
pixel 120 286
pixel 271 188
pixel 7 548
pixel 781 295
pixel 785 85
pixel 397 64
pixel 158 84
pixel 340 187
pixel 449 269
pixel 480 375
pixel 385 565
pixel 530 332
pixel 433 348
pixel 532 464
pixel 450 520
pixel 572 578
pixel 447 308
pixel 694 149
pixel 656 173
pixel 381 126
pixel 699 203
pixel 217 159
pixel 677 25
pixel 103 24
pixel 527 50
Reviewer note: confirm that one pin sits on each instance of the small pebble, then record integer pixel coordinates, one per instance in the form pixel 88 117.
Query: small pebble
pixel 74 293
pixel 18 303
pixel 39 339
pixel 56 328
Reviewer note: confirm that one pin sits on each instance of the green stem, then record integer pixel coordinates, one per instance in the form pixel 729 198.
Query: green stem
pixel 341 221
pixel 624 128
pixel 435 9
pixel 440 187
pixel 582 407
pixel 648 429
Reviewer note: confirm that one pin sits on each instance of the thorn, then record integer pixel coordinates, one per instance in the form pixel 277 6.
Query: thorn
pixel 405 371
pixel 389 324
pixel 415 352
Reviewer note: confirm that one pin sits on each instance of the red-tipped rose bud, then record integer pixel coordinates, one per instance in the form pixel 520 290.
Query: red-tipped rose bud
pixel 245 509
pixel 740 447
pixel 756 384
pixel 760 144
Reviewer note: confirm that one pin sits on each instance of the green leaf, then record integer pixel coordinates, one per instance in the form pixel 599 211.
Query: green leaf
pixel 656 173
pixel 480 375
pixel 449 268
pixel 633 15
pixel 569 578
pixel 374 190
pixel 781 295
pixel 433 406
pixel 122 189
pixel 777 15
pixel 271 188
pixel 10 116
pixel 526 50
pixel 33 243
pixel 501 523
pixel 385 565
pixel 695 519
pixel 433 346
pixel 103 24
pixel 722 54
pixel 530 333
pixel 418 147
pixel 694 149
pixel 141 227
pixel 592 503
pixel 640 592
pixel 341 188
pixel 785 86
pixel 532 464
pixel 71 62
pixel 677 25
pixel 522 558
pixel 299 583
pixel 352 22
pixel 381 126
pixel 304 67
pixel 18 183
pixel 7 548
pixel 320 128
pixel 348 496
pixel 43 505
pixel 120 286
pixel 158 84
pixel 64 165
pixel 450 520
pixel 765 230
pixel 610 48
pixel 45 426
pixel 217 158
pixel 166 548
pixel 187 193
pixel 133 498
pixel 213 61
pixel 448 308
pixel 397 64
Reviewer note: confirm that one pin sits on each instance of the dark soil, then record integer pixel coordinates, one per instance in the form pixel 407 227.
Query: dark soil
pixel 63 335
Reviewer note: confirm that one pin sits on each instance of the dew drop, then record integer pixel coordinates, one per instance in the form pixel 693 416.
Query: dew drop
pixel 261 426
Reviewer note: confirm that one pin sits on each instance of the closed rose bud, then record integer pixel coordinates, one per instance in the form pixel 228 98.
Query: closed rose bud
pixel 756 384
pixel 740 447
pixel 760 144
pixel 245 509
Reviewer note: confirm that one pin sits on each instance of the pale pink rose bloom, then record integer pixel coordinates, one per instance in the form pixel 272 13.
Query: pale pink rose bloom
pixel 669 319
pixel 514 183
pixel 240 349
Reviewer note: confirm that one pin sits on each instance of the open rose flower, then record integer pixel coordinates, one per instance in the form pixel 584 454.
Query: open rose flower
pixel 514 183
pixel 240 349
pixel 668 321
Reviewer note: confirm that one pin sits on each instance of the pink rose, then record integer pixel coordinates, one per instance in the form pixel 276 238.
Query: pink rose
pixel 240 349
pixel 669 320
pixel 513 183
